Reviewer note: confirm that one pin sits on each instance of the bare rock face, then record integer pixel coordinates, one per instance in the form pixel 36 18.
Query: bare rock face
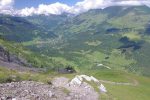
pixel 6 56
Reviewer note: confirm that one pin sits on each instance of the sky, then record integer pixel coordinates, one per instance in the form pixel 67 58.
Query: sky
pixel 34 3
pixel 37 7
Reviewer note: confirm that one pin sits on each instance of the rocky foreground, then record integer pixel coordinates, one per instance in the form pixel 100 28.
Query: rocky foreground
pixel 59 88
pixel 28 90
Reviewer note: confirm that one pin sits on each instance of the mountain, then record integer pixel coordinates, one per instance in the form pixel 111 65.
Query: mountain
pixel 48 22
pixel 117 37
pixel 101 19
pixel 19 29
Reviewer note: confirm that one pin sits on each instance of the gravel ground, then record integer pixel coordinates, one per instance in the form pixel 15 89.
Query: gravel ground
pixel 29 90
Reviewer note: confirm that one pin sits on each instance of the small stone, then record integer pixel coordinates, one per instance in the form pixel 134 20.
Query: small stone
pixel 14 99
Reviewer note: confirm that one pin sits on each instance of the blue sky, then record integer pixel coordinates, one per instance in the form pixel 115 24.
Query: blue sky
pixel 19 4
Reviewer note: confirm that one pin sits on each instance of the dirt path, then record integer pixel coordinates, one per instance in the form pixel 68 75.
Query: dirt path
pixel 135 83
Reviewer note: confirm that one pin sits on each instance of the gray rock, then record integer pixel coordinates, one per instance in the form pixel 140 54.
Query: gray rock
pixel 6 56
pixel 29 90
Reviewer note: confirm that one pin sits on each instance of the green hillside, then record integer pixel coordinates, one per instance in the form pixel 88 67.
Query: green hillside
pixel 19 29
pixel 31 59
pixel 117 37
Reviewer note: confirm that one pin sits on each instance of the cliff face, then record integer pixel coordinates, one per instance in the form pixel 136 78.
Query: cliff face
pixel 6 56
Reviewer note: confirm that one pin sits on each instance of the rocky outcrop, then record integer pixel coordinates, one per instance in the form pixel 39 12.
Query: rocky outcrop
pixel 80 88
pixel 6 56
pixel 78 92
pixel 80 79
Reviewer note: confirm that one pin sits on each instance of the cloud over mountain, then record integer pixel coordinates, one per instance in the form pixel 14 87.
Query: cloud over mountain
pixel 6 6
pixel 58 8
pixel 5 3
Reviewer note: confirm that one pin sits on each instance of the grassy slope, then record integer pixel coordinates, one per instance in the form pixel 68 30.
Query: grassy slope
pixel 140 91
pixel 35 59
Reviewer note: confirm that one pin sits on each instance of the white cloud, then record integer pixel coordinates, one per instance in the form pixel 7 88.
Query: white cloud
pixel 133 3
pixel 86 5
pixel 6 6
pixel 56 8
pixel 59 8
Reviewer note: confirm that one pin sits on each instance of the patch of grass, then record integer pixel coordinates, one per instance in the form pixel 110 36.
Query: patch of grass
pixel 139 92
pixel 7 75
pixel 116 60
pixel 63 61
pixel 66 91
pixel 122 92
pixel 132 36
pixel 109 75
pixel 130 20
pixel 147 38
